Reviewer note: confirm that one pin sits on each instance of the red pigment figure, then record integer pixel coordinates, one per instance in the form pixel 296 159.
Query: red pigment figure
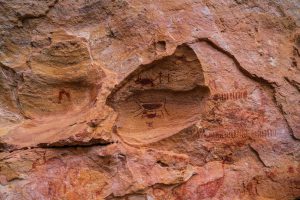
pixel 61 93
pixel 245 94
pixel 225 96
pixel 151 110
pixel 239 95
pixel 144 81
pixel 231 95
pixel 150 81
pixel 296 52
pixel 215 97
pixel 150 124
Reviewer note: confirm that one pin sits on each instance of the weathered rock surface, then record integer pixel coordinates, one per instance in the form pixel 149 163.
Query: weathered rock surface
pixel 164 100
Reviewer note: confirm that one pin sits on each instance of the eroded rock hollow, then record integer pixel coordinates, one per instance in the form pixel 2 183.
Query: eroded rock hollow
pixel 149 100
pixel 161 98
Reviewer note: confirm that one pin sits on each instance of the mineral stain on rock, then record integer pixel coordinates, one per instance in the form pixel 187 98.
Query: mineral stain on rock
pixel 149 100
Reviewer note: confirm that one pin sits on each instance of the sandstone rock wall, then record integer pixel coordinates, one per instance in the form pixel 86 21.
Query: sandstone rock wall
pixel 149 100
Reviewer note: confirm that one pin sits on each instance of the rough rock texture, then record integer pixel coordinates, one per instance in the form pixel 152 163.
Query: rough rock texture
pixel 150 100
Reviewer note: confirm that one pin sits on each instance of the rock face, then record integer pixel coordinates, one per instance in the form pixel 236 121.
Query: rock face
pixel 149 100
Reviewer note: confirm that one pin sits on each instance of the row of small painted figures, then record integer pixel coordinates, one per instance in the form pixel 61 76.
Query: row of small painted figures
pixel 221 96
pixel 157 109
pixel 236 134
pixel 230 95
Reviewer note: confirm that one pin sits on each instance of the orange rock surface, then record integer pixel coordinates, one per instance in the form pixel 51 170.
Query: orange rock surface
pixel 149 100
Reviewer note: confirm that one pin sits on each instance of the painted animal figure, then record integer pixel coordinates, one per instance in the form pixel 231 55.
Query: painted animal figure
pixel 151 110
pixel 145 81
pixel 150 81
